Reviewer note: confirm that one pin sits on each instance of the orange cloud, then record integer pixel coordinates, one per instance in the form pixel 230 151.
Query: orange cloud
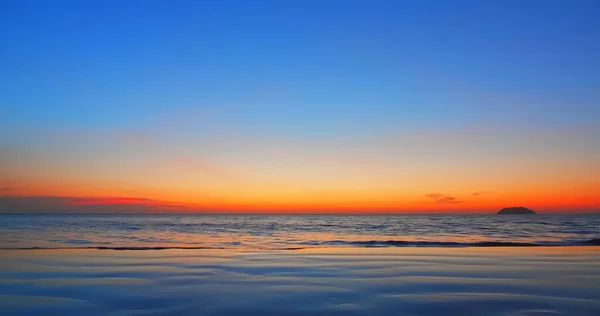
pixel 480 193
pixel 443 199
pixel 128 201
pixel 111 201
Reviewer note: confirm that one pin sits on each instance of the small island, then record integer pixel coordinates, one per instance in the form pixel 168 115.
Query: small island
pixel 516 210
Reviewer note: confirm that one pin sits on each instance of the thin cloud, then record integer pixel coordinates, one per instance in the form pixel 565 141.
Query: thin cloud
pixel 443 198
pixel 7 191
pixel 78 205
pixel 110 201
pixel 480 193
pixel 121 201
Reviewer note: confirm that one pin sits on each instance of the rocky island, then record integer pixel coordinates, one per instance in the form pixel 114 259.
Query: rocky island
pixel 516 210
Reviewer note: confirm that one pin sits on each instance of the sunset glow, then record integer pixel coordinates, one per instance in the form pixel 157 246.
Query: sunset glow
pixel 285 112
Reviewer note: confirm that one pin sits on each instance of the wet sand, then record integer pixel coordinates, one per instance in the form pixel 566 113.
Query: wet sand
pixel 325 281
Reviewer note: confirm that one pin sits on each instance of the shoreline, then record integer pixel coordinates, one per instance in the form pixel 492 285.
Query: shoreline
pixel 313 281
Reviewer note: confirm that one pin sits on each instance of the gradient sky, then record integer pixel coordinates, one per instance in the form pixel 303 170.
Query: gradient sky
pixel 299 106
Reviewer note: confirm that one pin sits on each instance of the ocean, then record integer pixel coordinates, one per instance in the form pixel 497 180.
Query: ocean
pixel 172 265
pixel 290 232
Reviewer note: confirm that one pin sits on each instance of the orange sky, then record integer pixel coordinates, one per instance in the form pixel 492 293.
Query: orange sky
pixel 373 174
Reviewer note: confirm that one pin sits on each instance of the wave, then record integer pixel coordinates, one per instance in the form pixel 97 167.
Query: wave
pixel 593 242
pixel 339 243
pixel 402 243
pixel 107 248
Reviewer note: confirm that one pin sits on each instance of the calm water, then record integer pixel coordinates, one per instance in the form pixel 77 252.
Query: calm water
pixel 294 231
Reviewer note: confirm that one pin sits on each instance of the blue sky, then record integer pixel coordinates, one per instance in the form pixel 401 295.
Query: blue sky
pixel 349 59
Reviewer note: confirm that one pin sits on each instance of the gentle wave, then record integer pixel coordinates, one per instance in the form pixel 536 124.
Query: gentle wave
pixel 107 248
pixel 402 243
pixel 267 232
pixel 370 243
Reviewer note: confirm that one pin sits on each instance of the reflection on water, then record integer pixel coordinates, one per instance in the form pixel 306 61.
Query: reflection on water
pixel 293 231
pixel 315 281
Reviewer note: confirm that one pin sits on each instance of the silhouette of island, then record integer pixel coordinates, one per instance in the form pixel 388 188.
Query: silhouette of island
pixel 516 210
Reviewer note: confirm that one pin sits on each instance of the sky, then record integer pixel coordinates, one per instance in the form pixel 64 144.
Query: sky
pixel 299 106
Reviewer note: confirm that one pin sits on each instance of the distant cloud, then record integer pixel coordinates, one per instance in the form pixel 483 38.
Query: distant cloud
pixel 126 201
pixel 480 193
pixel 110 201
pixel 6 191
pixel 76 205
pixel 442 198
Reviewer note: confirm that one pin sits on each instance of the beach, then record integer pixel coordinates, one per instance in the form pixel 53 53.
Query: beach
pixel 313 281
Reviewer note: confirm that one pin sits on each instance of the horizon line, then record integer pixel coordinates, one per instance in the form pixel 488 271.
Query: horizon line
pixel 597 212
